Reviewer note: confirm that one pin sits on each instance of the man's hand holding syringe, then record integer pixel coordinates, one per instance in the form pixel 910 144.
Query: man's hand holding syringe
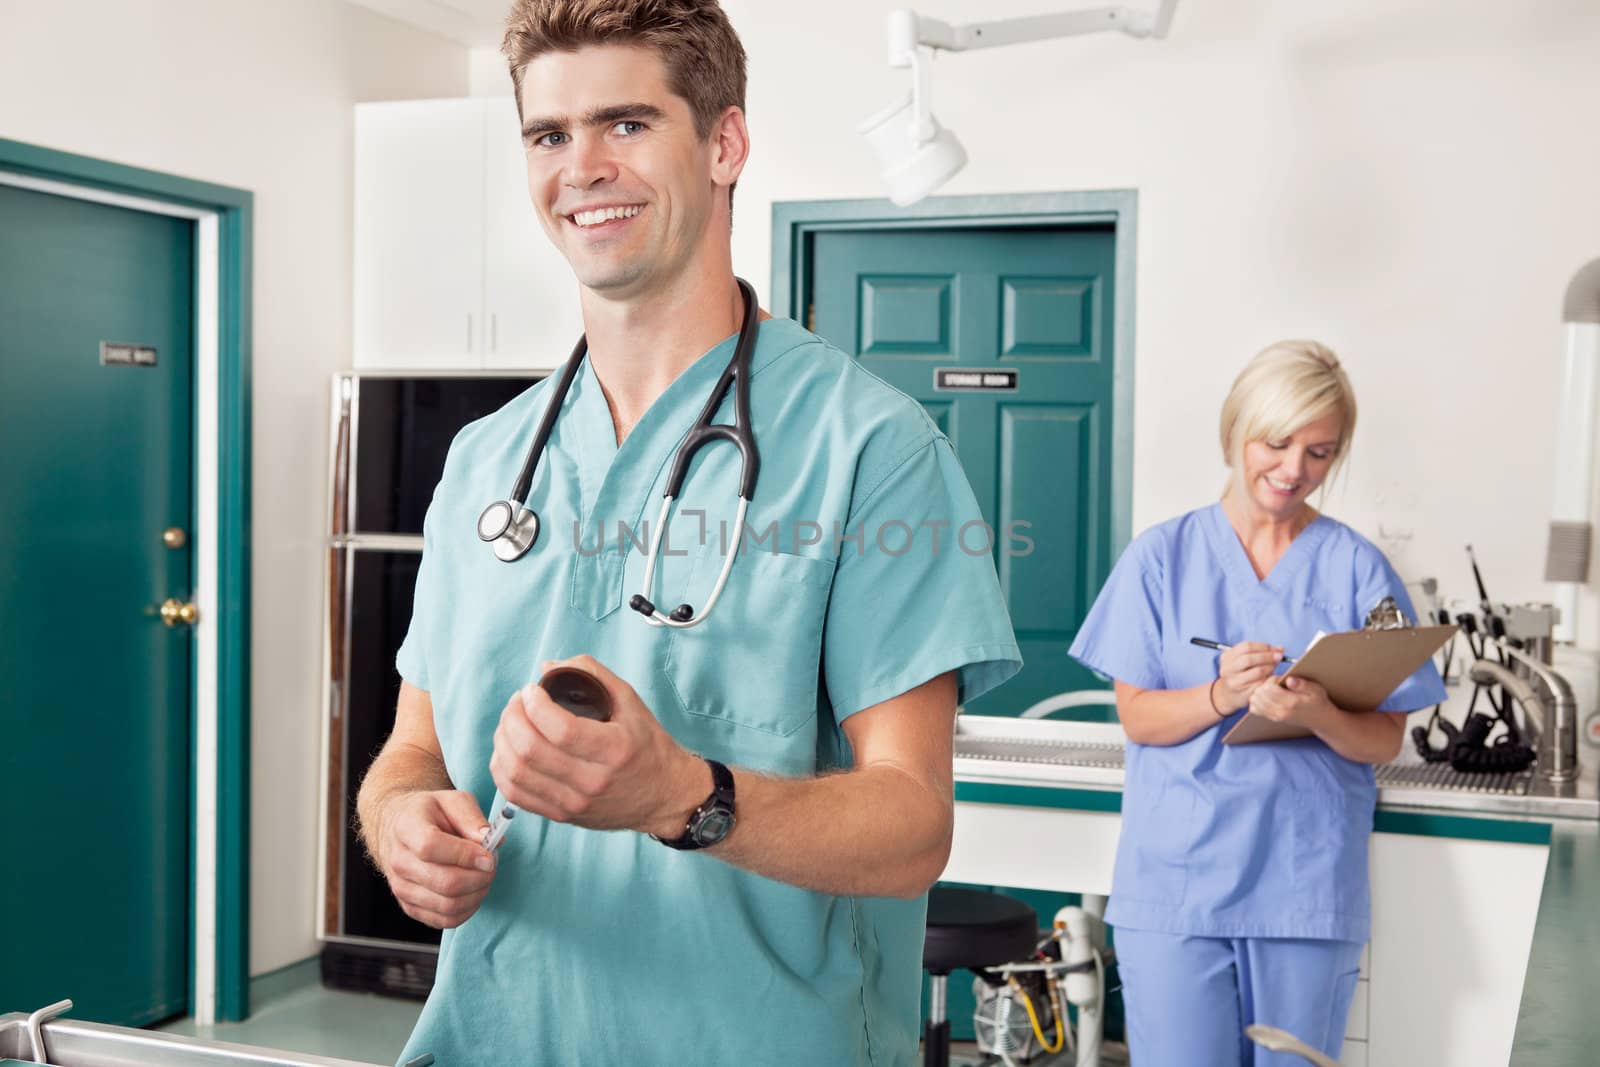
pixel 579 692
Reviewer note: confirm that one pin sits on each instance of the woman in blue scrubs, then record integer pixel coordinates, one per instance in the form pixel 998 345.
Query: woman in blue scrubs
pixel 1240 889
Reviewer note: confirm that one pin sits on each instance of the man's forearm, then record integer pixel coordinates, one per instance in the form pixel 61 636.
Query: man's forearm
pixel 399 769
pixel 874 831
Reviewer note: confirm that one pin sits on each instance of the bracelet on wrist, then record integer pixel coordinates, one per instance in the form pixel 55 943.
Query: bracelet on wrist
pixel 1211 698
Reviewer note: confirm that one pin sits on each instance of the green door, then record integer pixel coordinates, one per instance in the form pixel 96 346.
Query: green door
pixel 1033 308
pixel 95 464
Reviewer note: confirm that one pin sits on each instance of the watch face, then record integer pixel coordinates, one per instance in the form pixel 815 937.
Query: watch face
pixel 713 827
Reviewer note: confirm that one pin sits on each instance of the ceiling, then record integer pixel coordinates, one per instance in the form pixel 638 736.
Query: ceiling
pixel 474 23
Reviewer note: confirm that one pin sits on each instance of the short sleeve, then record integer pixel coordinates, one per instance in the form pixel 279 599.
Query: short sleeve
pixel 915 593
pixel 1121 636
pixel 411 660
pixel 1376 579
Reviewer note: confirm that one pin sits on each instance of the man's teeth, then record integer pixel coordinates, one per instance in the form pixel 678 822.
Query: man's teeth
pixel 606 214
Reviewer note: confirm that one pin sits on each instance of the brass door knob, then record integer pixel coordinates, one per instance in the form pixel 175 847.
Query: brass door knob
pixel 175 613
pixel 174 537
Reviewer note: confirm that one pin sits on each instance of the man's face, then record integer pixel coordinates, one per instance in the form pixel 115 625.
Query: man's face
pixel 621 181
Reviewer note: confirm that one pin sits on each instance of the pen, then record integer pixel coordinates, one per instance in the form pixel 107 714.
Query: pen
pixel 1220 647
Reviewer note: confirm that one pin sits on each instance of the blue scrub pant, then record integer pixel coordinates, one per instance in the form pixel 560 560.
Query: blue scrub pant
pixel 1187 1000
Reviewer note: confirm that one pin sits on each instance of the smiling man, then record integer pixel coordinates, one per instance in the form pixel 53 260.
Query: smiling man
pixel 733 867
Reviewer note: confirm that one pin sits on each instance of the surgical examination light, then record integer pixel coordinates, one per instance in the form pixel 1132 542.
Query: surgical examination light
pixel 915 153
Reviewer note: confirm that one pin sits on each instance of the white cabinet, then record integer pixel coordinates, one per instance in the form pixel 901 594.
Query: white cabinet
pixel 1452 923
pixel 452 270
pixel 1452 926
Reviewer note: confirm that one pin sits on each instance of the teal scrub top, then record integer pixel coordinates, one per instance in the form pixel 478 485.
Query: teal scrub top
pixel 1262 840
pixel 607 947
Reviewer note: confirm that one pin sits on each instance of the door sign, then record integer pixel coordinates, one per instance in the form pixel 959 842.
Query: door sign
pixel 968 380
pixel 126 355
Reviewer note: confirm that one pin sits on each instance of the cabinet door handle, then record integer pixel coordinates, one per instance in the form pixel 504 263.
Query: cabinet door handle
pixel 494 333
pixel 469 331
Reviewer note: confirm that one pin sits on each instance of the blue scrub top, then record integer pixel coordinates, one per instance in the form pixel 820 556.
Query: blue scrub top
pixel 607 947
pixel 1262 840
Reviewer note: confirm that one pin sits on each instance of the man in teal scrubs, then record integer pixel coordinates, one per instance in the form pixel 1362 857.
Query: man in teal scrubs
pixel 825 681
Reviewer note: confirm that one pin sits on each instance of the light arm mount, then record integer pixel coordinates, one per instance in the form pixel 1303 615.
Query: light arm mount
pixel 909 30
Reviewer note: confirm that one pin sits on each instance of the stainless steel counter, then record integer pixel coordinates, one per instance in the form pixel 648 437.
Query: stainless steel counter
pixel 1089 756
pixel 77 1044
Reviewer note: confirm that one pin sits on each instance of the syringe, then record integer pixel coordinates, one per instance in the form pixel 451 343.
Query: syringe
pixel 498 826
pixel 577 691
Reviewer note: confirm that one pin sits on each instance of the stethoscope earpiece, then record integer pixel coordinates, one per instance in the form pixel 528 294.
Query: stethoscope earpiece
pixel 680 614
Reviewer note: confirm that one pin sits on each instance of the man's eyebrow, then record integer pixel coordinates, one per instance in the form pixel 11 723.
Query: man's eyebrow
pixel 605 116
pixel 600 116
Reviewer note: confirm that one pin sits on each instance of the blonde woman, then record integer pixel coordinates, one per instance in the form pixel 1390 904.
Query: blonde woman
pixel 1240 889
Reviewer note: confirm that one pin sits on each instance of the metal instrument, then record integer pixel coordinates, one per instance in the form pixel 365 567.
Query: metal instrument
pixel 1275 1040
pixel 1386 615
pixel 1016 1004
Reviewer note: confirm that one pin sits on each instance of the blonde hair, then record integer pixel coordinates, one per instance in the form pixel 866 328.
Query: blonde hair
pixel 1286 386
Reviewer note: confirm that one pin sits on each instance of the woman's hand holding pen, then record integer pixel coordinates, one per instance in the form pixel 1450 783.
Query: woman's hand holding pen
pixel 1298 700
pixel 1241 670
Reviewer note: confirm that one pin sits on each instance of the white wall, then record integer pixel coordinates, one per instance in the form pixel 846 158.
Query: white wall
pixel 256 96
pixel 1411 181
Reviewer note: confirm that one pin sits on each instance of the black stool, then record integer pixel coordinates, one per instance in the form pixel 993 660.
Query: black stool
pixel 968 928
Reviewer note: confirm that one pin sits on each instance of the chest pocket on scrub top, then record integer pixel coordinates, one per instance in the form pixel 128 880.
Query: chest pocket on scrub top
pixel 755 662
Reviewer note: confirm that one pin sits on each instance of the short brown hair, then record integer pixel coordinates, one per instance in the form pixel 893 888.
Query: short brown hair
pixel 705 61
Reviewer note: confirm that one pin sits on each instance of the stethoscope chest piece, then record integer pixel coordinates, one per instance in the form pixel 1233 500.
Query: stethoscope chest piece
pixel 510 529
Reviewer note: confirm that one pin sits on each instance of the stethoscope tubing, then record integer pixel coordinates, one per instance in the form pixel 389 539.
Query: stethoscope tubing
pixel 512 527
pixel 519 492
pixel 654 616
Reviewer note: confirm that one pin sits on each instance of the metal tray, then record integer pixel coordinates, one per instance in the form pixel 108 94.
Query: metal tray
pixel 76 1044
pixel 1040 752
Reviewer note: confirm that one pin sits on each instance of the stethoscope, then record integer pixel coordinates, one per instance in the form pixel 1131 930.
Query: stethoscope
pixel 512 527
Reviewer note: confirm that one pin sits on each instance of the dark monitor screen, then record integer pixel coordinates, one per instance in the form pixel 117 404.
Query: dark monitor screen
pixel 404 429
pixel 382 586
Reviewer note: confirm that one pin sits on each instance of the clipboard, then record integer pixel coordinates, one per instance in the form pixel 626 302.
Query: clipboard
pixel 1358 668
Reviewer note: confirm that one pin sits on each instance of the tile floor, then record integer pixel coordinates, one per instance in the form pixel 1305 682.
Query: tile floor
pixel 322 1022
pixel 299 1015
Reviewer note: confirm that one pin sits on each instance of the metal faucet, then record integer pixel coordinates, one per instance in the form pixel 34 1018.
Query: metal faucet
pixel 1558 732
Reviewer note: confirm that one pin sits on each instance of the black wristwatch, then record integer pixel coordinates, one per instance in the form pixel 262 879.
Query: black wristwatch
pixel 713 820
